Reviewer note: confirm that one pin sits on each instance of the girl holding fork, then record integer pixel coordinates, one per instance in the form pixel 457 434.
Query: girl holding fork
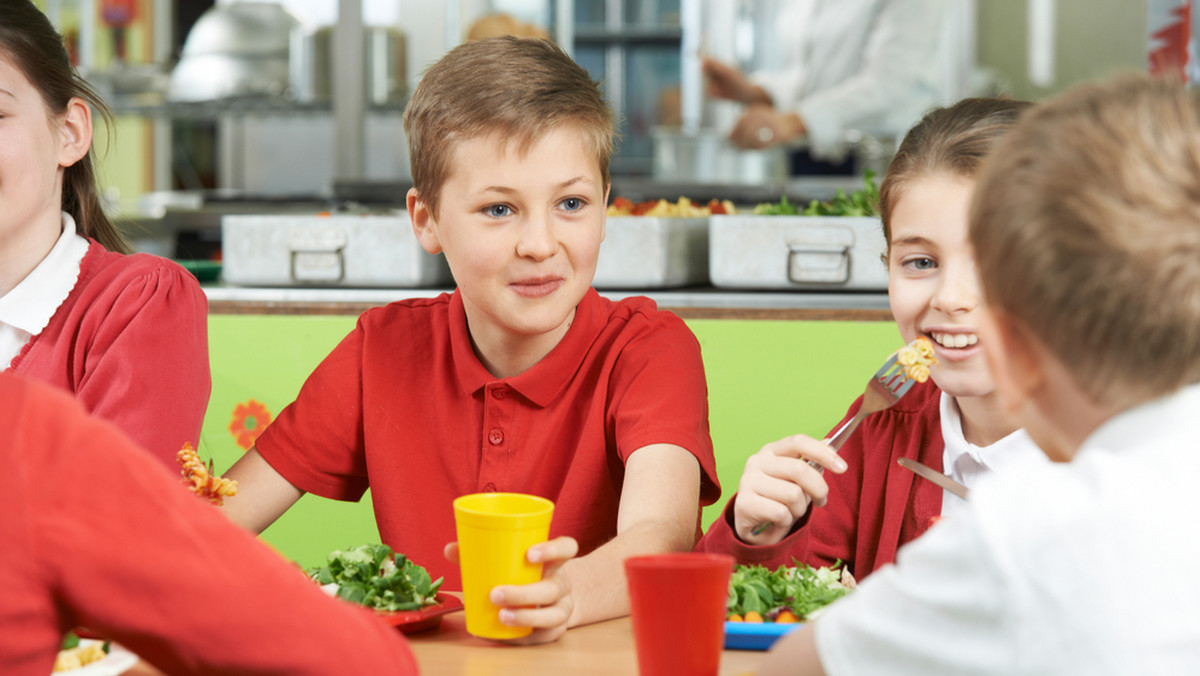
pixel 865 507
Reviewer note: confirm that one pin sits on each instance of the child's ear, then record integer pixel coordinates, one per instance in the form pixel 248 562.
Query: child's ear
pixel 424 222
pixel 76 128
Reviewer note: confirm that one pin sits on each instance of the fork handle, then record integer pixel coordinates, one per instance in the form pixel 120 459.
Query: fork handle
pixel 841 435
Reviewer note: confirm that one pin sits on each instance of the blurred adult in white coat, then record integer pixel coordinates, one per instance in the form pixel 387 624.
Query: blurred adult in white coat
pixel 869 65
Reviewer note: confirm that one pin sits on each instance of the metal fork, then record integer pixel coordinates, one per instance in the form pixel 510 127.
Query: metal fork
pixel 884 389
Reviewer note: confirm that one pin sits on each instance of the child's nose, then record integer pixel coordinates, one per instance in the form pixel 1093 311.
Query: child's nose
pixel 958 290
pixel 537 238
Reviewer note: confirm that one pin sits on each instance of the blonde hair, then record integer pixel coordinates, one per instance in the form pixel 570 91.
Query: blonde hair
pixel 1086 227
pixel 516 88
pixel 952 141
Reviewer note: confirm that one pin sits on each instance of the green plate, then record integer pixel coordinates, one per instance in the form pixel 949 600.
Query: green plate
pixel 205 271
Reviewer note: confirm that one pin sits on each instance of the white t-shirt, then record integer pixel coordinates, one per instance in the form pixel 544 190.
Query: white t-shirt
pixel 967 463
pixel 1088 567
pixel 28 307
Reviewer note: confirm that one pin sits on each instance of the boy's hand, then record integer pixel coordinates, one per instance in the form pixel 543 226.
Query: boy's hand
pixel 545 605
pixel 778 484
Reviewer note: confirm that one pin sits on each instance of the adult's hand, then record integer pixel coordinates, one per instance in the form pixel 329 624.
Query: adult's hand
pixel 761 126
pixel 726 82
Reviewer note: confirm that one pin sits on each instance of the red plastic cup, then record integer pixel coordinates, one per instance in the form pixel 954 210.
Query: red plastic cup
pixel 677 604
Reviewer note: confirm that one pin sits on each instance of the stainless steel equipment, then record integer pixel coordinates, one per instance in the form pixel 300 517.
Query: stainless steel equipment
pixel 238 49
pixel 797 252
pixel 338 250
pixel 649 252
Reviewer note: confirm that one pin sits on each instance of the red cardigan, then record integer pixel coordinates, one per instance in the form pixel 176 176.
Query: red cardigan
pixel 873 508
pixel 131 343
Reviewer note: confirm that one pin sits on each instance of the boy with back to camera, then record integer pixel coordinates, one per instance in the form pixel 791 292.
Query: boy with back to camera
pixel 1086 228
pixel 523 379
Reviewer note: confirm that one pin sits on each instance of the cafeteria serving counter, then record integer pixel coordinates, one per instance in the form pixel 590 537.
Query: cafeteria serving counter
pixel 689 303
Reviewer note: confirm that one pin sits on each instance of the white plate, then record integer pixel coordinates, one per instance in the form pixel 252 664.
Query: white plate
pixel 118 661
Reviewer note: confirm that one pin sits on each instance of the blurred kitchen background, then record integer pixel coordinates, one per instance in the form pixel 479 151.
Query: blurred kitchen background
pixel 240 106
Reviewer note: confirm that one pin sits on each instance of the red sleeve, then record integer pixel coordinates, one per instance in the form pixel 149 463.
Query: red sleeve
pixel 822 537
pixel 661 397
pixel 721 539
pixel 316 443
pixel 147 363
pixel 126 551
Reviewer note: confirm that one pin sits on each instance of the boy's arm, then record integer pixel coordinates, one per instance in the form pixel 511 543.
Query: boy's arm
pixel 263 495
pixel 659 506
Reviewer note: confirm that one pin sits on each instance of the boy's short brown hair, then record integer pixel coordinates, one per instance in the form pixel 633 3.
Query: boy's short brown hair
pixel 516 88
pixel 1086 228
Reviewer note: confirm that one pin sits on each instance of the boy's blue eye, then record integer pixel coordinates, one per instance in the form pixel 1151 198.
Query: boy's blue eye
pixel 572 204
pixel 497 210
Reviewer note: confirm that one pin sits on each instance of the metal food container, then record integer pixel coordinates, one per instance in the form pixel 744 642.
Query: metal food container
pixel 338 250
pixel 816 253
pixel 651 252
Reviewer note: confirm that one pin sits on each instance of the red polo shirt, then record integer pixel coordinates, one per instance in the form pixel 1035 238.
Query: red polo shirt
pixel 404 405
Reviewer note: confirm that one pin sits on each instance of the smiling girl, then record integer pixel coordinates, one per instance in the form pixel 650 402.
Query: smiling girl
pixel 125 333
pixel 868 506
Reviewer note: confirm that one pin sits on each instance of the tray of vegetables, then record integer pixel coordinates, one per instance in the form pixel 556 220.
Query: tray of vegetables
pixel 400 591
pixel 765 604
pixel 826 245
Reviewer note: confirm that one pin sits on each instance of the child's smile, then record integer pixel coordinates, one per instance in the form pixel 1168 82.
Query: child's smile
pixel 932 287
pixel 521 229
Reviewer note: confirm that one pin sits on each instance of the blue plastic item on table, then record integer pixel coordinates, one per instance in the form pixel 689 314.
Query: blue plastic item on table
pixel 755 635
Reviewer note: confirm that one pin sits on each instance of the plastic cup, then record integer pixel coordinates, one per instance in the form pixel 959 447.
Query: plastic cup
pixel 495 530
pixel 677 605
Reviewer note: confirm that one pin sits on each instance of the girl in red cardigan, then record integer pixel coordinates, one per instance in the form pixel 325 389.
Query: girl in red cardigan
pixel 865 507
pixel 126 334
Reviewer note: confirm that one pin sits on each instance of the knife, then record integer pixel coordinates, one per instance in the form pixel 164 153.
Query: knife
pixel 927 472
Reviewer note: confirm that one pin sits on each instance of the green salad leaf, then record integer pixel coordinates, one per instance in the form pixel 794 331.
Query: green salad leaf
pixel 800 588
pixel 374 576
pixel 861 202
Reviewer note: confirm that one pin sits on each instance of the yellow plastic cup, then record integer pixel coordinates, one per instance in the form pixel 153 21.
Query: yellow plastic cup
pixel 495 530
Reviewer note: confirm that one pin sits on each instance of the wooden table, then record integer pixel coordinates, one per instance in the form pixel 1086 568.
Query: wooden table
pixel 604 648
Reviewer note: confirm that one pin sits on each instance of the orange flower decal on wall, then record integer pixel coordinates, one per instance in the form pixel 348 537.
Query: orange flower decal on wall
pixel 249 421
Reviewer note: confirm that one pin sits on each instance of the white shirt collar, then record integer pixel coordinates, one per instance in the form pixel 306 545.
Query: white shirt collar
pixel 966 463
pixel 26 310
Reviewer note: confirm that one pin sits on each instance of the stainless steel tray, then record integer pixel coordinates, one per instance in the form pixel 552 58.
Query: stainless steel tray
pixel 338 250
pixel 652 252
pixel 821 253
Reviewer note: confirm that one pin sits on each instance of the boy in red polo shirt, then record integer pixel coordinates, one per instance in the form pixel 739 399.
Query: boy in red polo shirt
pixel 522 380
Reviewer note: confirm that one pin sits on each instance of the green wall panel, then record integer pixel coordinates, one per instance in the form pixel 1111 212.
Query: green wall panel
pixel 766 380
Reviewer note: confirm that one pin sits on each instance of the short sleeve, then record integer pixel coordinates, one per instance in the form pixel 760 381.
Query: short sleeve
pixel 316 443
pixel 660 395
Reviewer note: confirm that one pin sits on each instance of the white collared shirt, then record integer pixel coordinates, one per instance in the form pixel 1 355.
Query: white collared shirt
pixel 1086 567
pixel 26 310
pixel 967 463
